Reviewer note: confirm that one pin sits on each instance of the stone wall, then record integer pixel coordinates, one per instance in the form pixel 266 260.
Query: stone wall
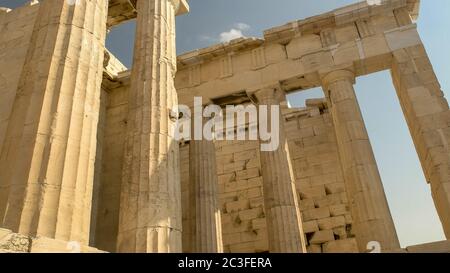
pixel 184 178
pixel 241 196
pixel 112 127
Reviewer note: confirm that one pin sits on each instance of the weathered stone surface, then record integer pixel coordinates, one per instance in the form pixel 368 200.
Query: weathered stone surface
pixel 314 249
pixel 46 245
pixel 322 236
pixel 13 243
pixel 328 172
pixel 341 246
pixel 310 226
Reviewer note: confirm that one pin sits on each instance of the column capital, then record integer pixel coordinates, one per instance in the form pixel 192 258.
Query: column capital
pixel 337 75
pixel 264 94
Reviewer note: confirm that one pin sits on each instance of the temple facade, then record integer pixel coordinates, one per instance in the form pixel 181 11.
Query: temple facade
pixel 89 161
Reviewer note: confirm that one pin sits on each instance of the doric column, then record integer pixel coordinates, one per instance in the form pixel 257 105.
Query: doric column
pixel 428 116
pixel 47 162
pixel 372 220
pixel 204 211
pixel 283 217
pixel 150 208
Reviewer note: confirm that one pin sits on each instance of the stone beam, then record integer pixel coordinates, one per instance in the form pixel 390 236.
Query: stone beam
pixel 359 36
pixel 295 54
pixel 121 11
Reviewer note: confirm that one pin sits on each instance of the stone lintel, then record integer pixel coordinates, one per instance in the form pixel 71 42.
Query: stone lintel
pixel 340 16
pixel 114 72
pixel 202 55
pixel 273 92
pixel 320 103
pixel 311 25
pixel 121 11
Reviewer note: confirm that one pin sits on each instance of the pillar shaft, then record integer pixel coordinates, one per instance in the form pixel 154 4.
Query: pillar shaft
pixel 150 211
pixel 47 161
pixel 283 217
pixel 427 113
pixel 204 212
pixel 372 220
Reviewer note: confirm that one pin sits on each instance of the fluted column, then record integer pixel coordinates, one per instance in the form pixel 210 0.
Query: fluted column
pixel 283 217
pixel 150 210
pixel 47 161
pixel 204 211
pixel 372 220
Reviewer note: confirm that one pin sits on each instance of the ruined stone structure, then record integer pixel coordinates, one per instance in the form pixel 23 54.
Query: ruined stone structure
pixel 88 159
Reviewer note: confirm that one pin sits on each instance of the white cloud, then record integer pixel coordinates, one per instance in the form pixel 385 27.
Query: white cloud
pixel 234 33
pixel 231 35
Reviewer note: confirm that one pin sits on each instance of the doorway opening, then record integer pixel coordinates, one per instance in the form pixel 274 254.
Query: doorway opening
pixel 409 195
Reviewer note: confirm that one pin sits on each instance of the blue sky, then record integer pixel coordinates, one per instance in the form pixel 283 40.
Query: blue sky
pixel 408 194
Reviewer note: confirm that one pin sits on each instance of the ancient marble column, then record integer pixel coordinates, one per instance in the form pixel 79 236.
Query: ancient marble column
pixel 283 217
pixel 372 220
pixel 150 211
pixel 204 211
pixel 47 162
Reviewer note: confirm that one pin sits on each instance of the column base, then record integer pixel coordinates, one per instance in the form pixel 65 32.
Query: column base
pixel 11 242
